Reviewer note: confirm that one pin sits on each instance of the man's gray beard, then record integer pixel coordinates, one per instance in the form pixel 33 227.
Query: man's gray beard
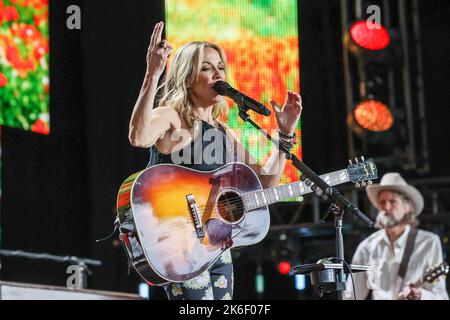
pixel 384 221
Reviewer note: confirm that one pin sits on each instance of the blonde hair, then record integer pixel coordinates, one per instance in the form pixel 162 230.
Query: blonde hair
pixel 183 72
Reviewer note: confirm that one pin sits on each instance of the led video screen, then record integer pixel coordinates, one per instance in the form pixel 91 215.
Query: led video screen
pixel 24 65
pixel 261 42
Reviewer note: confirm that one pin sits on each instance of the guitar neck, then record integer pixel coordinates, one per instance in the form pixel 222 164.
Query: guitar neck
pixel 419 283
pixel 432 274
pixel 257 199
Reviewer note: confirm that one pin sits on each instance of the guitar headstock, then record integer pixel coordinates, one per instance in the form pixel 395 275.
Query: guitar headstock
pixel 433 273
pixel 362 172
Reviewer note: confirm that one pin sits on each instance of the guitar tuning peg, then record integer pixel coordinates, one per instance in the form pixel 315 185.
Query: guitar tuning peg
pixel 369 182
pixel 357 185
pixel 350 161
pixel 356 160
pixel 362 159
pixel 363 184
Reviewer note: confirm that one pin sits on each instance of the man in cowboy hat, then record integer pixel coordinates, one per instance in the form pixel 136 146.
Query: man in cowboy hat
pixel 398 254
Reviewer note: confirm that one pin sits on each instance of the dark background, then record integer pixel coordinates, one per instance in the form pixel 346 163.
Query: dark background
pixel 59 191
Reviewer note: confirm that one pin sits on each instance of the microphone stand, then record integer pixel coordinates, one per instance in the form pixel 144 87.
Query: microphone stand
pixel 321 189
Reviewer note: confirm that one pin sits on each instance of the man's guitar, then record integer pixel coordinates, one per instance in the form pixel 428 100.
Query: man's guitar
pixel 175 222
pixel 432 274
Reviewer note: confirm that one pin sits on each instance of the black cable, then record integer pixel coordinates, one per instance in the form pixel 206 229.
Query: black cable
pixel 116 226
pixel 351 274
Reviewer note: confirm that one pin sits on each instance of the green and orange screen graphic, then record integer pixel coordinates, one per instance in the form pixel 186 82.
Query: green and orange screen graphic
pixel 260 39
pixel 24 65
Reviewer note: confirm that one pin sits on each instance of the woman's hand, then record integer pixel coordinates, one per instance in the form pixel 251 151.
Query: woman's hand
pixel 288 115
pixel 158 52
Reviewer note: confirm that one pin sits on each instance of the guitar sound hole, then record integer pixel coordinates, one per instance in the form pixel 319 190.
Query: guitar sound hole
pixel 230 207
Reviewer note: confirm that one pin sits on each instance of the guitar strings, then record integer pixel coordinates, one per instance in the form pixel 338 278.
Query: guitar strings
pixel 241 205
pixel 234 201
pixel 226 202
pixel 240 199
pixel 216 210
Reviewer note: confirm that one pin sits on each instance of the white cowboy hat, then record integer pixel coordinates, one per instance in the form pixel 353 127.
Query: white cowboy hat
pixel 393 181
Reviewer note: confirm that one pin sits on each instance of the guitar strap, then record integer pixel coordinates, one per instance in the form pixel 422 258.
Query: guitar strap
pixel 405 259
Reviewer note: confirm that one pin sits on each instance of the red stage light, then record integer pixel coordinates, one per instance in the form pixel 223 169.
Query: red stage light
pixel 284 267
pixel 373 116
pixel 374 38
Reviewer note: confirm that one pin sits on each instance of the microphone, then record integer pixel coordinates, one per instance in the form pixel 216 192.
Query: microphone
pixel 224 89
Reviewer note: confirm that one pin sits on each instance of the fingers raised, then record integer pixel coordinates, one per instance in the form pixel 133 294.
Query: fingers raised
pixel 153 37
pixel 156 35
pixel 291 97
pixel 160 31
pixel 275 106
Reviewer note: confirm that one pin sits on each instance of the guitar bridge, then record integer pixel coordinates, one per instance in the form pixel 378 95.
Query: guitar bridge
pixel 195 215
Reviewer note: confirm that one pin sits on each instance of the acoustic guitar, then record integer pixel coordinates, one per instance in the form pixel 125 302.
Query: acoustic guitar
pixel 175 222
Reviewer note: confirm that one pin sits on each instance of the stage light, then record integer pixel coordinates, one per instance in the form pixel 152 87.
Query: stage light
pixel 144 290
pixel 373 43
pixel 300 282
pixel 284 267
pixel 373 115
pixel 259 283
pixel 370 36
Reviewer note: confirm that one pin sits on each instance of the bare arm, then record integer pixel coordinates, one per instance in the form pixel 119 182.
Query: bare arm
pixel 142 131
pixel 287 119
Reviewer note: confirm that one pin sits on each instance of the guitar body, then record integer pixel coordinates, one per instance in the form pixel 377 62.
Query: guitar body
pixel 176 222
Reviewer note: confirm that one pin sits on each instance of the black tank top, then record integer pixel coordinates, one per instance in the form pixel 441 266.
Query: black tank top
pixel 210 151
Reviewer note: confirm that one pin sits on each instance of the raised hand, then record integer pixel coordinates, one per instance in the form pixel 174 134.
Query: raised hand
pixel 288 115
pixel 158 51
